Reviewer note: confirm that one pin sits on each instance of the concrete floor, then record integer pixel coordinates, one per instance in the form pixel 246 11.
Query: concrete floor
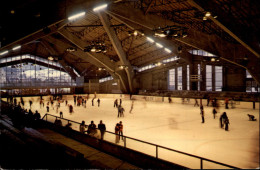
pixel 176 126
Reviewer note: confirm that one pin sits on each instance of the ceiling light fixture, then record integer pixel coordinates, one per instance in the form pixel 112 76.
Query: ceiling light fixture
pixel 50 58
pixel 76 16
pixel 213 59
pixel 101 7
pixel 150 39
pixel 4 52
pixel 167 50
pixel 208 14
pixel 16 48
pixel 159 35
pixel 159 45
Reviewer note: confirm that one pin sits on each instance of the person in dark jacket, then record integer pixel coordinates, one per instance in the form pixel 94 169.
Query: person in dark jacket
pixel 98 101
pixel 214 112
pixel 222 119
pixel 92 128
pixel 102 128
pixel 202 114
pixel 226 121
pixel 121 130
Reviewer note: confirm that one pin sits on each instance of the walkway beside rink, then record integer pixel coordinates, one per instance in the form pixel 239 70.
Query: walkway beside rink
pixel 173 125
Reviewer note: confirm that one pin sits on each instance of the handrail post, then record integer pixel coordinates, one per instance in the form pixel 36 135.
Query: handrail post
pixel 201 163
pixel 125 142
pixel 46 117
pixel 157 151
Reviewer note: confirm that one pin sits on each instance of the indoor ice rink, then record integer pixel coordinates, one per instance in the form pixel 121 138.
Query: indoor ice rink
pixel 186 71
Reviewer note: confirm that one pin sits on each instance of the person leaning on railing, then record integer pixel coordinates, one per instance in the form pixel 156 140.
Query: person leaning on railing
pixel 82 127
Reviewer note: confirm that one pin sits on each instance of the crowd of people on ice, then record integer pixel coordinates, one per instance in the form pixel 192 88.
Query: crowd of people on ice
pixel 99 131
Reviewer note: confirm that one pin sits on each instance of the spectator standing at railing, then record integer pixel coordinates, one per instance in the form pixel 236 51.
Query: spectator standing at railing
pixel 61 114
pixel 92 128
pixel 15 101
pixel 37 115
pixel 121 130
pixel 117 128
pixel 82 127
pixel 102 128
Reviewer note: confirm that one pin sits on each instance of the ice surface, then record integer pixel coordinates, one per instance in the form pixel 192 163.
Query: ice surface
pixel 177 126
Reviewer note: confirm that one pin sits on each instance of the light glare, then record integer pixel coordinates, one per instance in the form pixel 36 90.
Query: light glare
pixel 159 45
pixel 4 52
pixel 150 40
pixel 16 48
pixel 73 17
pixel 167 50
pixel 100 7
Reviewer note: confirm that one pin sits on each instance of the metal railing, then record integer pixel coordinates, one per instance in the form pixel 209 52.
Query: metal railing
pixel 167 154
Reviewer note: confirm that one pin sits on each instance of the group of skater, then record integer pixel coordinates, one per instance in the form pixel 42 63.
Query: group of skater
pixel 224 121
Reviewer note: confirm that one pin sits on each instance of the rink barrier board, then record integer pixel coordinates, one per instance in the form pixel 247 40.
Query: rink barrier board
pixel 237 104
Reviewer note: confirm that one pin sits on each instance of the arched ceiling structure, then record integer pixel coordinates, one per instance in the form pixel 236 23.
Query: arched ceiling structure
pixel 231 32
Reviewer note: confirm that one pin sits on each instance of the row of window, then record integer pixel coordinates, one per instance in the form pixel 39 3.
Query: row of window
pixel 218 78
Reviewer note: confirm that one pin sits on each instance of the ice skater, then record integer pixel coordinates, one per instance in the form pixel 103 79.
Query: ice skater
pixel 116 103
pixel 122 111
pixel 98 101
pixel 48 108
pixel 202 114
pixel 93 101
pixel 169 99
pixel 222 119
pixel 120 102
pixel 226 121
pixel 214 112
pixel 30 103
pixel 70 108
pixel 226 103
pixel 196 103
pixel 251 117
pixel 119 111
pixel 132 107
